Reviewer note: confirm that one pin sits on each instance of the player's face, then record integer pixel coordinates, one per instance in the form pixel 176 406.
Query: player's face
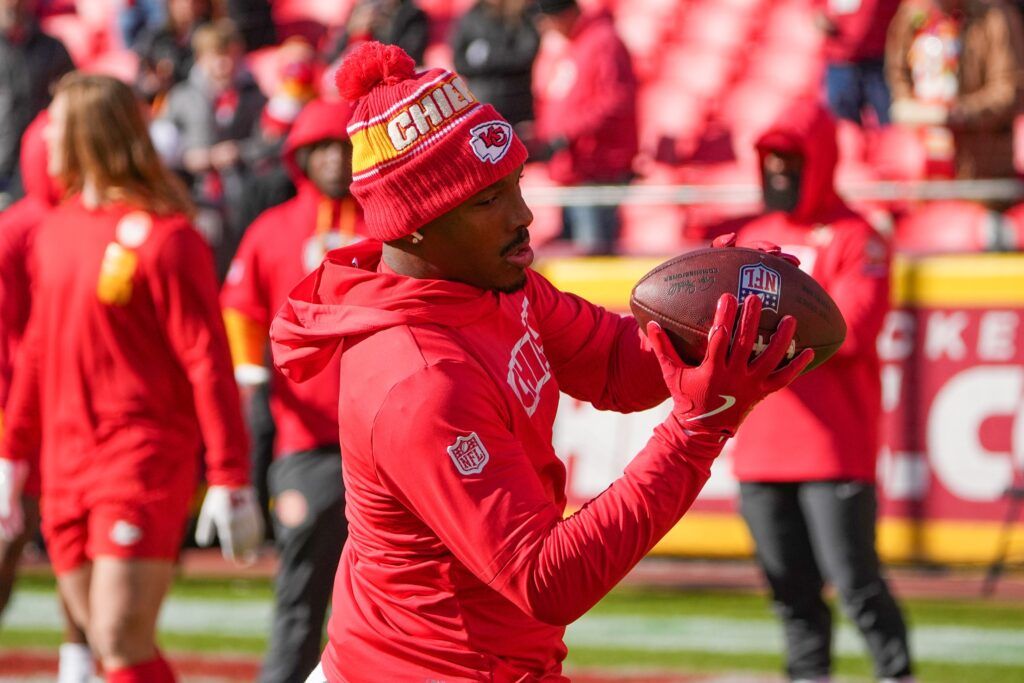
pixel 53 133
pixel 484 241
pixel 330 167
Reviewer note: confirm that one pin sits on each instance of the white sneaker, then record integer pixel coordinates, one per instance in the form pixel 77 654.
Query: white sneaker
pixel 76 664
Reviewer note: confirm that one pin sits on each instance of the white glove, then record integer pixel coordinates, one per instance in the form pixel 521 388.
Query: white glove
pixel 234 514
pixel 12 479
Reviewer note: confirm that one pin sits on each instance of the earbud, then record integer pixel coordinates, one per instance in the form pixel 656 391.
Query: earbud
pixel 416 236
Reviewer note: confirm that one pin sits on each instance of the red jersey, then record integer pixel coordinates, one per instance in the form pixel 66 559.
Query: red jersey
pixel 125 369
pixel 825 424
pixel 281 247
pixel 861 27
pixel 459 565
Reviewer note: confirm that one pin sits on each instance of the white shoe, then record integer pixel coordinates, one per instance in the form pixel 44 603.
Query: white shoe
pixel 76 664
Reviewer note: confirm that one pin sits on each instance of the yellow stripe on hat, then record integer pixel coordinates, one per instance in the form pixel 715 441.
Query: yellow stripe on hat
pixel 381 141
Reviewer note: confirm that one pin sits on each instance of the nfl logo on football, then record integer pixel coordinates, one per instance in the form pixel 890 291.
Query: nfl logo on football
pixel 763 282
pixel 468 454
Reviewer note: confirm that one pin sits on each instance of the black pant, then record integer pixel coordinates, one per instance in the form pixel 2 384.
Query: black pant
pixel 310 528
pixel 810 532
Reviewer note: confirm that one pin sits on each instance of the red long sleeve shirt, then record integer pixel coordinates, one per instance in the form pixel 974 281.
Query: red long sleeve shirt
pixel 125 361
pixel 459 565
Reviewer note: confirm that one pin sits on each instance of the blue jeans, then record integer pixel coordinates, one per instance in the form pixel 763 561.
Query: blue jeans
pixel 854 86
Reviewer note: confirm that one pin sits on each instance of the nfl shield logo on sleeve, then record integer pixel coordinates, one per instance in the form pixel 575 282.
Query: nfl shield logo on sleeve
pixel 763 282
pixel 468 454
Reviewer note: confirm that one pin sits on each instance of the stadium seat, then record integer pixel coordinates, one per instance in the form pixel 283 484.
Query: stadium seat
pixel 791 24
pixel 853 145
pixel 701 73
pixel 949 226
pixel 794 72
pixel 897 153
pixel 652 229
pixel 671 121
pixel 643 35
pixel 714 26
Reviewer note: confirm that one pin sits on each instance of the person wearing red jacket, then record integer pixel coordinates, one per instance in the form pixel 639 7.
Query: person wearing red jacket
pixel 855 33
pixel 459 565
pixel 586 116
pixel 279 249
pixel 123 375
pixel 18 226
pixel 805 458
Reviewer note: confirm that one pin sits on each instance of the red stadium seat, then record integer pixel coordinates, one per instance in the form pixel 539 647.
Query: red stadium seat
pixel 643 35
pixel 653 229
pixel 949 226
pixel 701 73
pixel 897 153
pixel 853 145
pixel 791 24
pixel 714 26
pixel 792 72
pixel 671 121
pixel 748 111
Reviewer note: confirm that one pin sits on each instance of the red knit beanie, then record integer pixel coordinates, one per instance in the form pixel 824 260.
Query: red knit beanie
pixel 421 143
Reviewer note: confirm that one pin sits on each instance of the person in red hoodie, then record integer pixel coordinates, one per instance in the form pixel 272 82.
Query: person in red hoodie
pixel 586 116
pixel 123 375
pixel 855 33
pixel 459 565
pixel 805 458
pixel 18 226
pixel 282 246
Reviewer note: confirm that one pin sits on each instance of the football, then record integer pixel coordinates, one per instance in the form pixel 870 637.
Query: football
pixel 682 294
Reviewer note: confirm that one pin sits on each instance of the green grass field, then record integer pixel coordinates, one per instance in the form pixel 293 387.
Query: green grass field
pixel 956 641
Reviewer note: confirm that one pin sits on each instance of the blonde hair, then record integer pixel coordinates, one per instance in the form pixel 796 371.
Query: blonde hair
pixel 216 37
pixel 106 140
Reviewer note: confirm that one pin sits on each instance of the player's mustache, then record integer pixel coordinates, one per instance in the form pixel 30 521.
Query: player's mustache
pixel 522 237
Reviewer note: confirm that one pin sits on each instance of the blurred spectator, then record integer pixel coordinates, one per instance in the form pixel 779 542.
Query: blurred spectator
pixel 393 22
pixel 18 227
pixel 30 63
pixel 165 50
pixel 586 117
pixel 214 114
pixel 806 465
pixel 254 21
pixel 139 16
pixel 855 54
pixel 494 46
pixel 284 245
pixel 954 67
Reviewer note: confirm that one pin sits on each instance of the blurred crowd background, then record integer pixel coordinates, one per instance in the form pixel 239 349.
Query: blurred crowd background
pixel 624 103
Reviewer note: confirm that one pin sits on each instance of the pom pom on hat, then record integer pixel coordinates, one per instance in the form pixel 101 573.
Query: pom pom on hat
pixel 372 64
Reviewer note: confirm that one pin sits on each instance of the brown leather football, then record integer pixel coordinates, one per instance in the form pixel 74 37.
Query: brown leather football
pixel 682 294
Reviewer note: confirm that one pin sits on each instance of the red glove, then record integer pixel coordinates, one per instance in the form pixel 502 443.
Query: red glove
pixel 729 240
pixel 717 395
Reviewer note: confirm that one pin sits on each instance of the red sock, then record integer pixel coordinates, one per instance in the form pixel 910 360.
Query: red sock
pixel 154 671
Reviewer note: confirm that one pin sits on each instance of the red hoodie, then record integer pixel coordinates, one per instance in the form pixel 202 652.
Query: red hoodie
pixel 861 27
pixel 17 233
pixel 459 565
pixel 591 101
pixel 825 424
pixel 280 248
pixel 124 372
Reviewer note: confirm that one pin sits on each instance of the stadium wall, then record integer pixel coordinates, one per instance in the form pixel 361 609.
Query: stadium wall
pixel 953 395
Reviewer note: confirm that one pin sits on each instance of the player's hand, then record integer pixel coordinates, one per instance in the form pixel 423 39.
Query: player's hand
pixel 717 395
pixel 12 480
pixel 234 514
pixel 729 240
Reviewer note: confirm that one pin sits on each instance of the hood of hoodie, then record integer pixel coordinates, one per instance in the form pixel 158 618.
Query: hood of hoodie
pixel 351 295
pixel 318 120
pixel 808 128
pixel 34 152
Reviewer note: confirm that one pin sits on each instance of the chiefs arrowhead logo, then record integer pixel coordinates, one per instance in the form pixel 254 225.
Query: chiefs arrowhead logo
pixel 490 141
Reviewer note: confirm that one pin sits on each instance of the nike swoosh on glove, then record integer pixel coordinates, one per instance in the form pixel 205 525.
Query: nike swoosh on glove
pixel 12 480
pixel 234 514
pixel 715 397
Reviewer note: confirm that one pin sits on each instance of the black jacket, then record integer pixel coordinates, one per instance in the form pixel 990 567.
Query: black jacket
pixel 497 60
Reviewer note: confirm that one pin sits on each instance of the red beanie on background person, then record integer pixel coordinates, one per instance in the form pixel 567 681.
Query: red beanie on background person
pixel 409 131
